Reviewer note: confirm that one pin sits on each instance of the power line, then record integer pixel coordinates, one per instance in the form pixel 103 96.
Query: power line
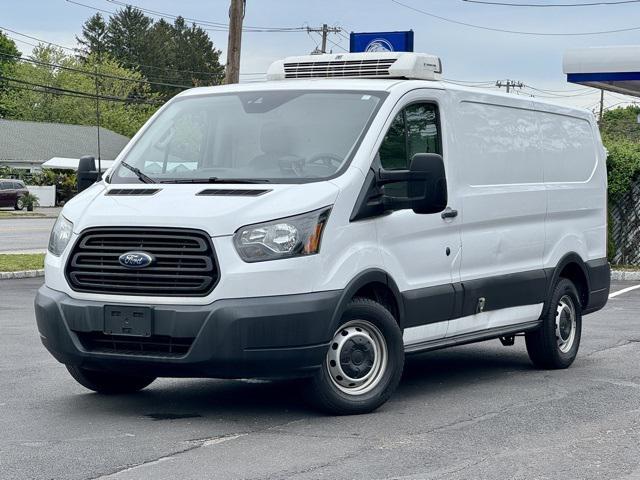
pixel 210 26
pixel 122 62
pixel 585 4
pixel 51 89
pixel 93 74
pixel 222 25
pixel 514 32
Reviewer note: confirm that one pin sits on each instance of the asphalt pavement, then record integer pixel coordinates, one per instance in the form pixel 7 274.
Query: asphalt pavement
pixel 479 411
pixel 25 234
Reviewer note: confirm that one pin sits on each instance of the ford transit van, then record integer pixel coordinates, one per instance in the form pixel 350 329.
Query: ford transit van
pixel 350 211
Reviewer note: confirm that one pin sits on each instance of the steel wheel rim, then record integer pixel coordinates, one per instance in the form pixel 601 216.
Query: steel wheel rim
pixel 566 324
pixel 355 345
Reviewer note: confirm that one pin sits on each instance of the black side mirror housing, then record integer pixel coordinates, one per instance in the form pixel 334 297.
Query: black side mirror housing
pixel 87 172
pixel 427 185
pixel 428 195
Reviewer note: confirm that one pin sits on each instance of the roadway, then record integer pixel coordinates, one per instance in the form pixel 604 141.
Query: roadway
pixel 25 234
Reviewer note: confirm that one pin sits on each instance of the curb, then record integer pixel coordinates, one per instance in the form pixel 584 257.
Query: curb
pixel 625 275
pixel 21 274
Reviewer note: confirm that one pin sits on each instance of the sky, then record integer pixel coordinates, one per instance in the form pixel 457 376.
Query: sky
pixel 468 53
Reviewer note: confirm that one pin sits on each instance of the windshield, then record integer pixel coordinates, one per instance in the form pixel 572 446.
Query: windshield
pixel 270 136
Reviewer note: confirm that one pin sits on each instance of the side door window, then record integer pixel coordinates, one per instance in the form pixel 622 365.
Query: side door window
pixel 416 129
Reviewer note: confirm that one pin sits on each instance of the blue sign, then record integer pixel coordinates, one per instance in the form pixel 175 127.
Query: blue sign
pixel 382 42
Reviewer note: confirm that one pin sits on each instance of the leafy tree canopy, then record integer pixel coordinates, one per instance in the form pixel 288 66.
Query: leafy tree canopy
pixel 621 135
pixel 59 104
pixel 9 52
pixel 178 53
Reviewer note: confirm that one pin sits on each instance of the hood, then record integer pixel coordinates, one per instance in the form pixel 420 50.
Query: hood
pixel 221 213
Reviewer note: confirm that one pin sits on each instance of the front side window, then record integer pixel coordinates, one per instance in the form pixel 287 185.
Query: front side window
pixel 271 136
pixel 416 129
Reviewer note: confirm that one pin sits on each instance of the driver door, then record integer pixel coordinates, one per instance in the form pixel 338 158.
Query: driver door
pixel 420 251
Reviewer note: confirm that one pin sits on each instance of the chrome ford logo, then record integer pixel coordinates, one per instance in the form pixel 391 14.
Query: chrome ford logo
pixel 136 259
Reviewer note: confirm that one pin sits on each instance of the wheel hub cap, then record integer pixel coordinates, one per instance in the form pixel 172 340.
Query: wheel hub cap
pixel 357 357
pixel 566 324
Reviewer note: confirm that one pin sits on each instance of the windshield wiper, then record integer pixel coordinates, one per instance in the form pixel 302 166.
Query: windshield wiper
pixel 214 180
pixel 141 176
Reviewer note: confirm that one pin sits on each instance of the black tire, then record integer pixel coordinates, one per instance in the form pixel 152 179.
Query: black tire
pixel 329 397
pixel 19 204
pixel 108 383
pixel 544 344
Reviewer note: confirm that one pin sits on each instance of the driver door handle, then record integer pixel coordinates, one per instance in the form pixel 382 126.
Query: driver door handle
pixel 449 213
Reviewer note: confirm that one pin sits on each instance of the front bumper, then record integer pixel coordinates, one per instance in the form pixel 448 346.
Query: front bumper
pixel 264 337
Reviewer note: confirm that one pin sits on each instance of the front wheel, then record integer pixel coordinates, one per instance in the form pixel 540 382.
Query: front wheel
pixel 19 204
pixel 364 362
pixel 555 344
pixel 108 383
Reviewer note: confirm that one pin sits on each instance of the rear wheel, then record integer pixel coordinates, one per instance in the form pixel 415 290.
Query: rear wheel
pixel 19 204
pixel 364 362
pixel 108 383
pixel 555 344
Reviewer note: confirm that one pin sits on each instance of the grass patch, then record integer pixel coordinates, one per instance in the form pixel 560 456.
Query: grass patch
pixel 9 214
pixel 19 262
pixel 626 268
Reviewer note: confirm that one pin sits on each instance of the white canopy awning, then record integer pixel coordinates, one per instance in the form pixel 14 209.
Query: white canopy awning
pixel 62 163
pixel 616 69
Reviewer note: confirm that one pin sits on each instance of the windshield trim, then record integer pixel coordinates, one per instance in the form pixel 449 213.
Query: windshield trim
pixel 382 95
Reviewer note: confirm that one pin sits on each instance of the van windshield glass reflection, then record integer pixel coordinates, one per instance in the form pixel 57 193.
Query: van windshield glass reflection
pixel 269 136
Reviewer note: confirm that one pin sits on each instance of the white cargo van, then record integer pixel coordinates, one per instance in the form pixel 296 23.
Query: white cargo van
pixel 324 224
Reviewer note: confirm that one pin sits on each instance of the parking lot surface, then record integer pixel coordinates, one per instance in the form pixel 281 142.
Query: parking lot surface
pixel 480 411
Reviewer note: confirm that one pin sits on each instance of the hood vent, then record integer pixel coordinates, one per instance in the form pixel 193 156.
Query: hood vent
pixel 138 192
pixel 219 192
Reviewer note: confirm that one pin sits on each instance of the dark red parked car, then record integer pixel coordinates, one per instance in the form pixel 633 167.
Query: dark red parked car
pixel 11 192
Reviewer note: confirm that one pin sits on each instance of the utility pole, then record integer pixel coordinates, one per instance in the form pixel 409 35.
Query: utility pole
pixel 236 16
pixel 325 30
pixel 510 84
pixel 601 105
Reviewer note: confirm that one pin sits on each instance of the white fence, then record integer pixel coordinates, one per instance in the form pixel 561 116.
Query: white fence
pixel 46 195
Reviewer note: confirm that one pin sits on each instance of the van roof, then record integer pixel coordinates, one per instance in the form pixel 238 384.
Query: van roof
pixel 378 85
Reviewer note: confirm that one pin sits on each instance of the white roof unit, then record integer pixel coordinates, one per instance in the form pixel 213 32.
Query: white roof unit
pixel 358 65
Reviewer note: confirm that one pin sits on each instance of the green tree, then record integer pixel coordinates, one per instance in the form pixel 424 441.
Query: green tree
pixel 37 104
pixel 9 55
pixel 621 124
pixel 128 36
pixel 94 37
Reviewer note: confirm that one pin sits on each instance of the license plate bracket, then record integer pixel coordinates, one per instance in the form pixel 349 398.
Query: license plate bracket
pixel 127 321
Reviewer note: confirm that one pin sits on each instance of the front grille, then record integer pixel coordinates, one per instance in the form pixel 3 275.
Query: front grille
pixel 156 345
pixel 184 262
pixel 339 68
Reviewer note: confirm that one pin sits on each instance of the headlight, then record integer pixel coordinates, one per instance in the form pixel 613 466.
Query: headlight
pixel 60 236
pixel 284 238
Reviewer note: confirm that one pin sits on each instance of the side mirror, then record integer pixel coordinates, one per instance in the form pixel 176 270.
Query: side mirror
pixel 428 195
pixel 426 185
pixel 87 173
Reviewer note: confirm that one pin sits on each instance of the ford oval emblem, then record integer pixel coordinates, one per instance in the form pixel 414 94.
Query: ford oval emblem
pixel 136 259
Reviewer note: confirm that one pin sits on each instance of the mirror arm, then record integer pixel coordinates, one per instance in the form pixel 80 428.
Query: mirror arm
pixel 385 177
pixel 396 203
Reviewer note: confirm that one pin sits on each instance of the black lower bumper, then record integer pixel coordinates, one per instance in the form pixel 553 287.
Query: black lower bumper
pixel 285 336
